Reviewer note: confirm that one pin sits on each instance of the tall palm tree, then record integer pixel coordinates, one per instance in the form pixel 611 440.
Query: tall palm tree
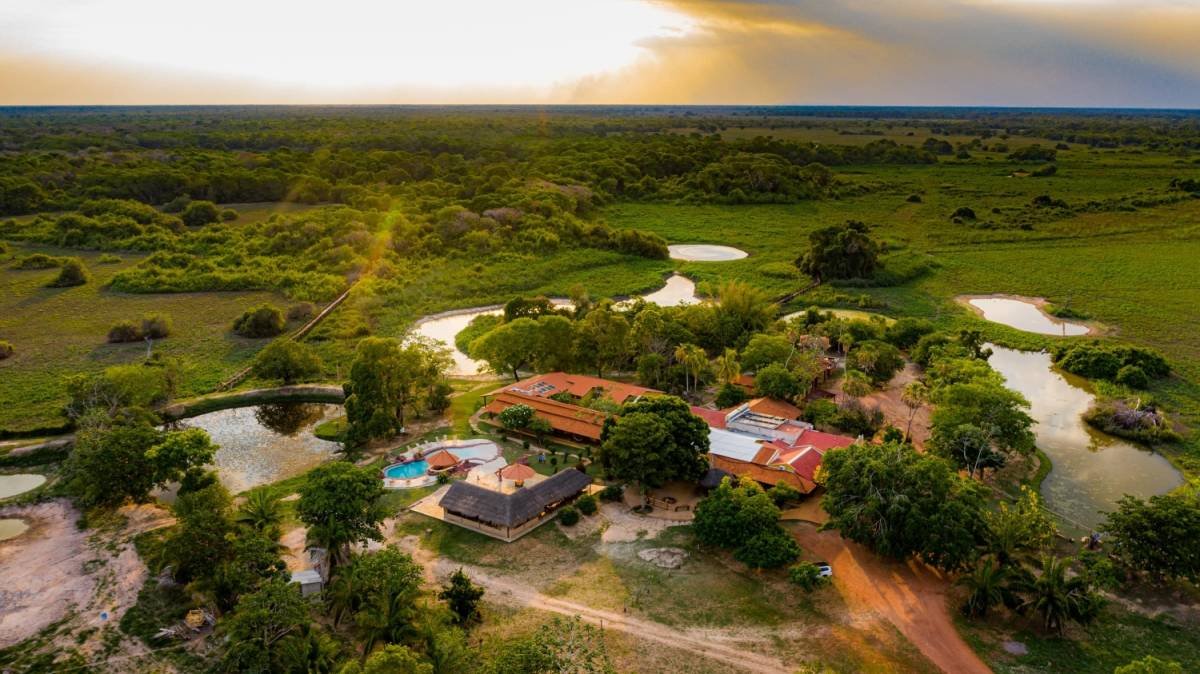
pixel 696 361
pixel 681 356
pixel 1058 599
pixel 387 618
pixel 261 511
pixel 728 367
pixel 914 396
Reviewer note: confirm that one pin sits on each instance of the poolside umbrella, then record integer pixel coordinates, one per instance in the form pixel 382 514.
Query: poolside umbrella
pixel 517 472
pixel 442 459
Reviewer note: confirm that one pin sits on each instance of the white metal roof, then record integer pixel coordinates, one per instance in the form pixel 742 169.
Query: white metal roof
pixel 732 445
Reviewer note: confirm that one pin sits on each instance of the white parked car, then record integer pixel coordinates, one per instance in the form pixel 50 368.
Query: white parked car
pixel 826 569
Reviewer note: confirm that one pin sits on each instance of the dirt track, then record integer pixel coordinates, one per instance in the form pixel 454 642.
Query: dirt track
pixel 912 597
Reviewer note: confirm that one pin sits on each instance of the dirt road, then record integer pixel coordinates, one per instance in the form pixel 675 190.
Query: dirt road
pixel 912 597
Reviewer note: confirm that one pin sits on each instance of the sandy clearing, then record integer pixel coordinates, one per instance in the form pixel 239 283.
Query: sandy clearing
pixel 888 400
pixel 910 596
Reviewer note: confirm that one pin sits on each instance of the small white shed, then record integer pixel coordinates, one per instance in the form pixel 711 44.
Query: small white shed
pixel 309 580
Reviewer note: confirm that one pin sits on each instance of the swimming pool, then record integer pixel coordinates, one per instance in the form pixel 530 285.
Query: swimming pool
pixel 407 471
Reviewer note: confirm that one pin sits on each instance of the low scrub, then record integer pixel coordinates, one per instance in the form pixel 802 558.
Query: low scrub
pixel 1140 422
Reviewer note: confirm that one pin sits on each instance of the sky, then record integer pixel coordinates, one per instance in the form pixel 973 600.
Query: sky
pixel 1085 53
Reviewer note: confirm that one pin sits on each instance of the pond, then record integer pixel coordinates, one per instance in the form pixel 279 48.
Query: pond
pixel 11 528
pixel 266 443
pixel 848 314
pixel 1025 315
pixel 704 252
pixel 1091 471
pixel 11 485
pixel 444 327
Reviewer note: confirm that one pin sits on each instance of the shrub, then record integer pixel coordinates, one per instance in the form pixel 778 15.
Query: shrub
pixel 124 331
pixel 263 321
pixel 176 205
pixel 963 213
pixel 157 326
pixel 73 273
pixel 200 213
pixel 768 549
pixel 228 215
pixel 586 504
pixel 905 332
pixel 1132 376
pixel 807 576
pixel 6 349
pixel 914 199
pixel 821 412
pixel 37 261
pixel 730 395
pixel 303 311
pixel 108 258
pixel 569 516
pixel 517 416
pixel 612 493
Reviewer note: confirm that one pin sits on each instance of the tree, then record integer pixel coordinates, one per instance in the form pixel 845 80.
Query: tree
pixel 987 585
pixel 765 349
pixel 555 344
pixel 907 331
pixel 259 322
pixel 914 396
pixel 123 332
pixel 388 584
pixel 462 596
pixel 733 513
pixel 768 549
pixel 741 310
pixel 694 360
pixel 776 381
pixel 386 379
pixel 807 576
pixel 1160 536
pixel 840 252
pixel 1022 526
pixel 902 504
pixel 288 361
pixel 157 326
pixel 728 367
pixel 252 559
pixel 730 396
pixel 203 537
pixel 261 511
pixel 602 339
pixel 260 624
pixel 73 273
pixel 391 659
pixel 1059 599
pixel 977 423
pixel 516 417
pixel 509 346
pixel 682 442
pixel 200 213
pixel 178 453
pixel 879 360
pixel 856 384
pixel 340 505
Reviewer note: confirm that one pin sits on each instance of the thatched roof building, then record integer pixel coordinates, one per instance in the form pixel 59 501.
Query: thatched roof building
pixel 508 516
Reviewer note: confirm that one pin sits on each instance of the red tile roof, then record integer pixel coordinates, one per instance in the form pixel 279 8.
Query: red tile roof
pixel 564 418
pixel 823 441
pixel 775 408
pixel 714 418
pixel 578 385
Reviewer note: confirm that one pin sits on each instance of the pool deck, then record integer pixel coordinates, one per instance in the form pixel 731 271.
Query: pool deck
pixel 434 445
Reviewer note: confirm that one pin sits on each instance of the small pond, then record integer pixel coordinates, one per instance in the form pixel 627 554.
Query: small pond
pixel 444 327
pixel 266 443
pixel 11 528
pixel 1025 315
pixel 11 485
pixel 848 314
pixel 1092 471
pixel 704 252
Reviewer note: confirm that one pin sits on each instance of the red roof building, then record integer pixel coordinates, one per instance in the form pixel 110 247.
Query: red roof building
pixel 571 420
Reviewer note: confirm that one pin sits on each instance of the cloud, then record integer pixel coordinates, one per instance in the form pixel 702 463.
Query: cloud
pixel 854 52
pixel 919 52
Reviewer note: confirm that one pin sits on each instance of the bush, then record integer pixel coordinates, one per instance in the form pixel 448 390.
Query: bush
pixel 612 493
pixel 37 261
pixel 807 576
pixel 228 215
pixel 730 396
pixel 200 213
pixel 6 349
pixel 1132 376
pixel 303 311
pixel 108 258
pixel 263 321
pixel 73 273
pixel 124 331
pixel 157 326
pixel 768 549
pixel 569 516
pixel 820 412
pixel 963 213
pixel 586 504
pixel 914 199
pixel 176 205
pixel 905 332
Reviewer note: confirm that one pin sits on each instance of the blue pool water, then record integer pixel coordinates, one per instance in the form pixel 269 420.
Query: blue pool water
pixel 408 470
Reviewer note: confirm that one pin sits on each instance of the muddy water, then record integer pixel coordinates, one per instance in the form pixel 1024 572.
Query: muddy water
pixel 1025 316
pixel 444 327
pixel 703 252
pixel 11 528
pixel 11 485
pixel 266 443
pixel 1092 471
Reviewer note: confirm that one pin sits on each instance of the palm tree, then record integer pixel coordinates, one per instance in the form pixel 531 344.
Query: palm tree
pixel 914 396
pixel 681 356
pixel 261 511
pixel 387 618
pixel 1058 599
pixel 990 584
pixel 696 361
pixel 728 367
